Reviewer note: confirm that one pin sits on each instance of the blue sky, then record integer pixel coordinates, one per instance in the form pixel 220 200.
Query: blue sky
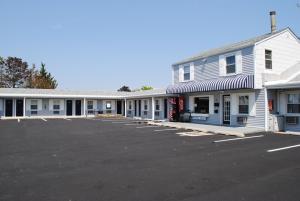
pixel 107 44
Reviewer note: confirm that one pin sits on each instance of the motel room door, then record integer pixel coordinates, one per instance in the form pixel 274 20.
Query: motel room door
pixel 226 109
pixel 119 107
pixel 8 107
pixel 78 107
pixel 19 108
pixel 69 107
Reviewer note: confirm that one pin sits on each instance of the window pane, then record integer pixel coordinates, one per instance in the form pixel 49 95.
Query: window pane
pixel 56 107
pixel 186 69
pixel 33 107
pixel 187 76
pixel 108 105
pixel 230 69
pixel 293 108
pixel 230 60
pixel 202 105
pixel 243 109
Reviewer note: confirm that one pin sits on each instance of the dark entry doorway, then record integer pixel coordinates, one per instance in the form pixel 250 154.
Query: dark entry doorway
pixel 119 107
pixel 19 108
pixel 165 108
pixel 8 107
pixel 140 108
pixel 78 108
pixel 135 108
pixel 69 107
pixel 226 109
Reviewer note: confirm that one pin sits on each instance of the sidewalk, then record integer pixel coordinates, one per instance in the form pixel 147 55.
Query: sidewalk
pixel 224 130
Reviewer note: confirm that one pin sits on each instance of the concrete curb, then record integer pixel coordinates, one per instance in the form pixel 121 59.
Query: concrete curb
pixel 219 132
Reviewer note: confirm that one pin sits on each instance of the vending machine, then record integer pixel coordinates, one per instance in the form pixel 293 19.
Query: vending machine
pixel 176 108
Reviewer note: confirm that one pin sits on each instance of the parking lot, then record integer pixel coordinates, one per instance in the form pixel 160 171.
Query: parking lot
pixel 118 160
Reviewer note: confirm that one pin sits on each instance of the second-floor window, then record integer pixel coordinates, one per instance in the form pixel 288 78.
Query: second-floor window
pixel 186 73
pixel 268 59
pixel 230 64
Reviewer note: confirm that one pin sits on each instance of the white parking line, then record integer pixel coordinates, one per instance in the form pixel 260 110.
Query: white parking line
pixel 239 138
pixel 119 122
pixel 19 120
pixel 43 119
pixel 167 129
pixel 283 148
pixel 67 119
pixel 147 127
pixel 194 134
pixel 131 124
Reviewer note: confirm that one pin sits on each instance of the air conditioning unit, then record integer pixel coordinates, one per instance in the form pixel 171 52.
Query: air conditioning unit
pixel 242 120
pixel 292 120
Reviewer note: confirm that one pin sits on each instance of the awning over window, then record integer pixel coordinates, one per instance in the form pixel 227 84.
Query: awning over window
pixel 240 81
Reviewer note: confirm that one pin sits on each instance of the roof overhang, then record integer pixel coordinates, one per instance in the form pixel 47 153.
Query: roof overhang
pixel 287 85
pixel 240 81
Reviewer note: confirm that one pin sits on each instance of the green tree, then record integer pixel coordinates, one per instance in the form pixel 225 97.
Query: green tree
pixel 41 79
pixel 125 88
pixel 144 88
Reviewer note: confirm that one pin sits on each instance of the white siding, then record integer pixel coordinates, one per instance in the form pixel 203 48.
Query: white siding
pixel 285 53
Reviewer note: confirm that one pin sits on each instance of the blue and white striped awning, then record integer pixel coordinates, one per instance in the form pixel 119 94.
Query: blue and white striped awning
pixel 240 81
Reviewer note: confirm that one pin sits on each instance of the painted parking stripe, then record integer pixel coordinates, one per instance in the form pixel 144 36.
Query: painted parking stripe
pixel 67 119
pixel 239 138
pixel 131 124
pixel 284 148
pixel 167 129
pixel 194 134
pixel 43 119
pixel 147 127
pixel 19 120
pixel 119 122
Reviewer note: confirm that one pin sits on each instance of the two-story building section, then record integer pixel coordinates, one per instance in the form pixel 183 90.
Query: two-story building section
pixel 253 83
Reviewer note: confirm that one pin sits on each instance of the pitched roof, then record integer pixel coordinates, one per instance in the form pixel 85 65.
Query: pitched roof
pixel 229 48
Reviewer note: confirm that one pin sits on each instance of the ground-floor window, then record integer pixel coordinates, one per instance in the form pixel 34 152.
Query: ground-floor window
pixel 145 105
pixel 157 105
pixel 243 104
pixel 33 107
pixel 56 106
pixel 293 105
pixel 130 105
pixel 90 106
pixel 201 105
pixel 108 105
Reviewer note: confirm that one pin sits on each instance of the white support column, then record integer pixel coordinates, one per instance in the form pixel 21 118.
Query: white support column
pixel 84 106
pixel 266 109
pixel 125 105
pixel 153 108
pixel 24 107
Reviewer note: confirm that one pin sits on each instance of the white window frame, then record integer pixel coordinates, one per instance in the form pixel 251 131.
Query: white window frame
pixel 239 96
pixel 238 63
pixel 37 106
pixel 227 65
pixel 146 103
pixel 108 103
pixel 296 101
pixel 269 59
pixel 159 104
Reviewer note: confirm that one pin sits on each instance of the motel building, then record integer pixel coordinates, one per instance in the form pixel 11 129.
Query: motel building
pixel 252 83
